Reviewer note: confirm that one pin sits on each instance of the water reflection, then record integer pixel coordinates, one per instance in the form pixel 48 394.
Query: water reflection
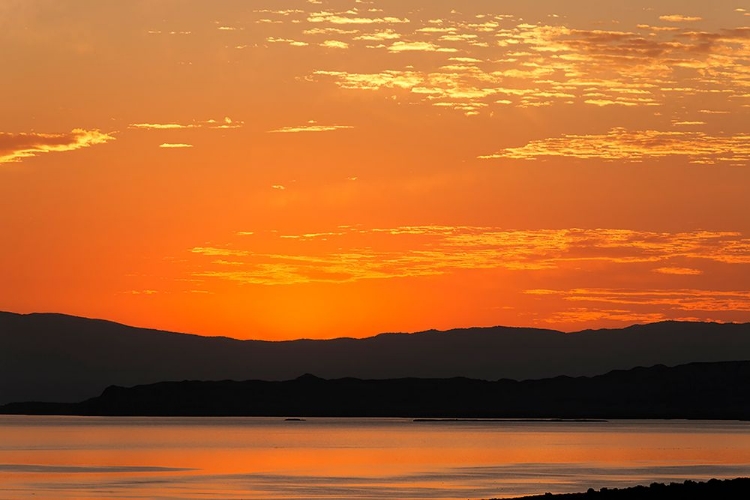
pixel 69 457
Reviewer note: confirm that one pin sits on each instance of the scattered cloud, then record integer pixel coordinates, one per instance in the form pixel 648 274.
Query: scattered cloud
pixel 576 315
pixel 387 34
pixel 226 123
pixel 351 18
pixel 293 43
pixel 160 32
pixel 311 126
pixel 168 145
pixel 334 44
pixel 622 144
pixel 219 252
pixel 536 65
pixel 16 147
pixel 354 253
pixel 679 18
pixel 685 300
pixel 679 271
pixel 418 47
pixel 160 126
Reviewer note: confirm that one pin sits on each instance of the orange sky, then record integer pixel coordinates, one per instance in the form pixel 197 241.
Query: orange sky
pixel 288 168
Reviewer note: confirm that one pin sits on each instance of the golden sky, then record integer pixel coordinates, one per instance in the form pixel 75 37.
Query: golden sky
pixel 320 168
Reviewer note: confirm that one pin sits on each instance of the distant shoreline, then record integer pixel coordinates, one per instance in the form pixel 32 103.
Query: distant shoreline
pixel 689 490
pixel 697 391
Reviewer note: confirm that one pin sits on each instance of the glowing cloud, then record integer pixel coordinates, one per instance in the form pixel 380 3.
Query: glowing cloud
pixel 219 252
pixel 621 144
pixel 410 251
pixel 334 44
pixel 226 123
pixel 345 18
pixel 16 147
pixel 418 47
pixel 679 271
pixel 310 127
pixel 679 18
pixel 689 300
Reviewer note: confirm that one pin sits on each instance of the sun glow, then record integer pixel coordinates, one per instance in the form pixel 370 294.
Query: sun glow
pixel 307 169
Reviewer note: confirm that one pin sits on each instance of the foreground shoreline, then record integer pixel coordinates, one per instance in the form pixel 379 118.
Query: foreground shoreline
pixel 713 489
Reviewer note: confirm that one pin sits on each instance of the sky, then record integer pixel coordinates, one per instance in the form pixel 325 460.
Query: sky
pixel 279 169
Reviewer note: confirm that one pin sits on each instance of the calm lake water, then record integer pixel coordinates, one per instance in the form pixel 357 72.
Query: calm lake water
pixel 269 458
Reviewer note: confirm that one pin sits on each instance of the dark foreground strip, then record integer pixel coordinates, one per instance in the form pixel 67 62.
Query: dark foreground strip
pixel 714 489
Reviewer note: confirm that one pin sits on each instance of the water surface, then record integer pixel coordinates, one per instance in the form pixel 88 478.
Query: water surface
pixel 270 458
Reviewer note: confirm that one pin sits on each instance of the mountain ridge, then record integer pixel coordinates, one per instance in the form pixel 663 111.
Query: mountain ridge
pixel 694 391
pixel 55 357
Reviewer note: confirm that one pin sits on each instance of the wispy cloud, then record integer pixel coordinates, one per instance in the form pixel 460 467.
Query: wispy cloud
pixel 686 300
pixel 351 253
pixel 679 18
pixel 311 126
pixel 334 44
pixel 418 47
pixel 180 145
pixel 288 41
pixel 219 252
pixel 533 65
pixel 226 123
pixel 678 271
pixel 622 144
pixel 16 147
pixel 351 18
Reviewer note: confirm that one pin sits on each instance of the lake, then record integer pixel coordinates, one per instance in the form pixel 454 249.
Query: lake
pixel 270 458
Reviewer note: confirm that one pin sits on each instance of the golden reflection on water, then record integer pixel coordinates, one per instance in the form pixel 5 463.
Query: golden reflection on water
pixel 67 457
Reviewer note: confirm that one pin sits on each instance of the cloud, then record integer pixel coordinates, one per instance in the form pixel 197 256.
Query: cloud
pixel 558 65
pixel 418 47
pixel 310 127
pixel 16 147
pixel 585 315
pixel 219 252
pixel 161 126
pixel 679 271
pixel 622 144
pixel 334 44
pixel 347 18
pixel 387 34
pixel 686 300
pixel 226 123
pixel 168 145
pixel 354 253
pixel 293 43
pixel 679 18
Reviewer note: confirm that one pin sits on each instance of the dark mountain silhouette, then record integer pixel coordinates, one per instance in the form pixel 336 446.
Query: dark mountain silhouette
pixel 53 357
pixel 696 390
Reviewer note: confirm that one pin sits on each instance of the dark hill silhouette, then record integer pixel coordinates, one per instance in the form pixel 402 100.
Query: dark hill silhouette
pixel 696 390
pixel 53 357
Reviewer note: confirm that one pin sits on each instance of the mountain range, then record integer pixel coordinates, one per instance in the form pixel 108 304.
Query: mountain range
pixel 59 358
pixel 696 391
